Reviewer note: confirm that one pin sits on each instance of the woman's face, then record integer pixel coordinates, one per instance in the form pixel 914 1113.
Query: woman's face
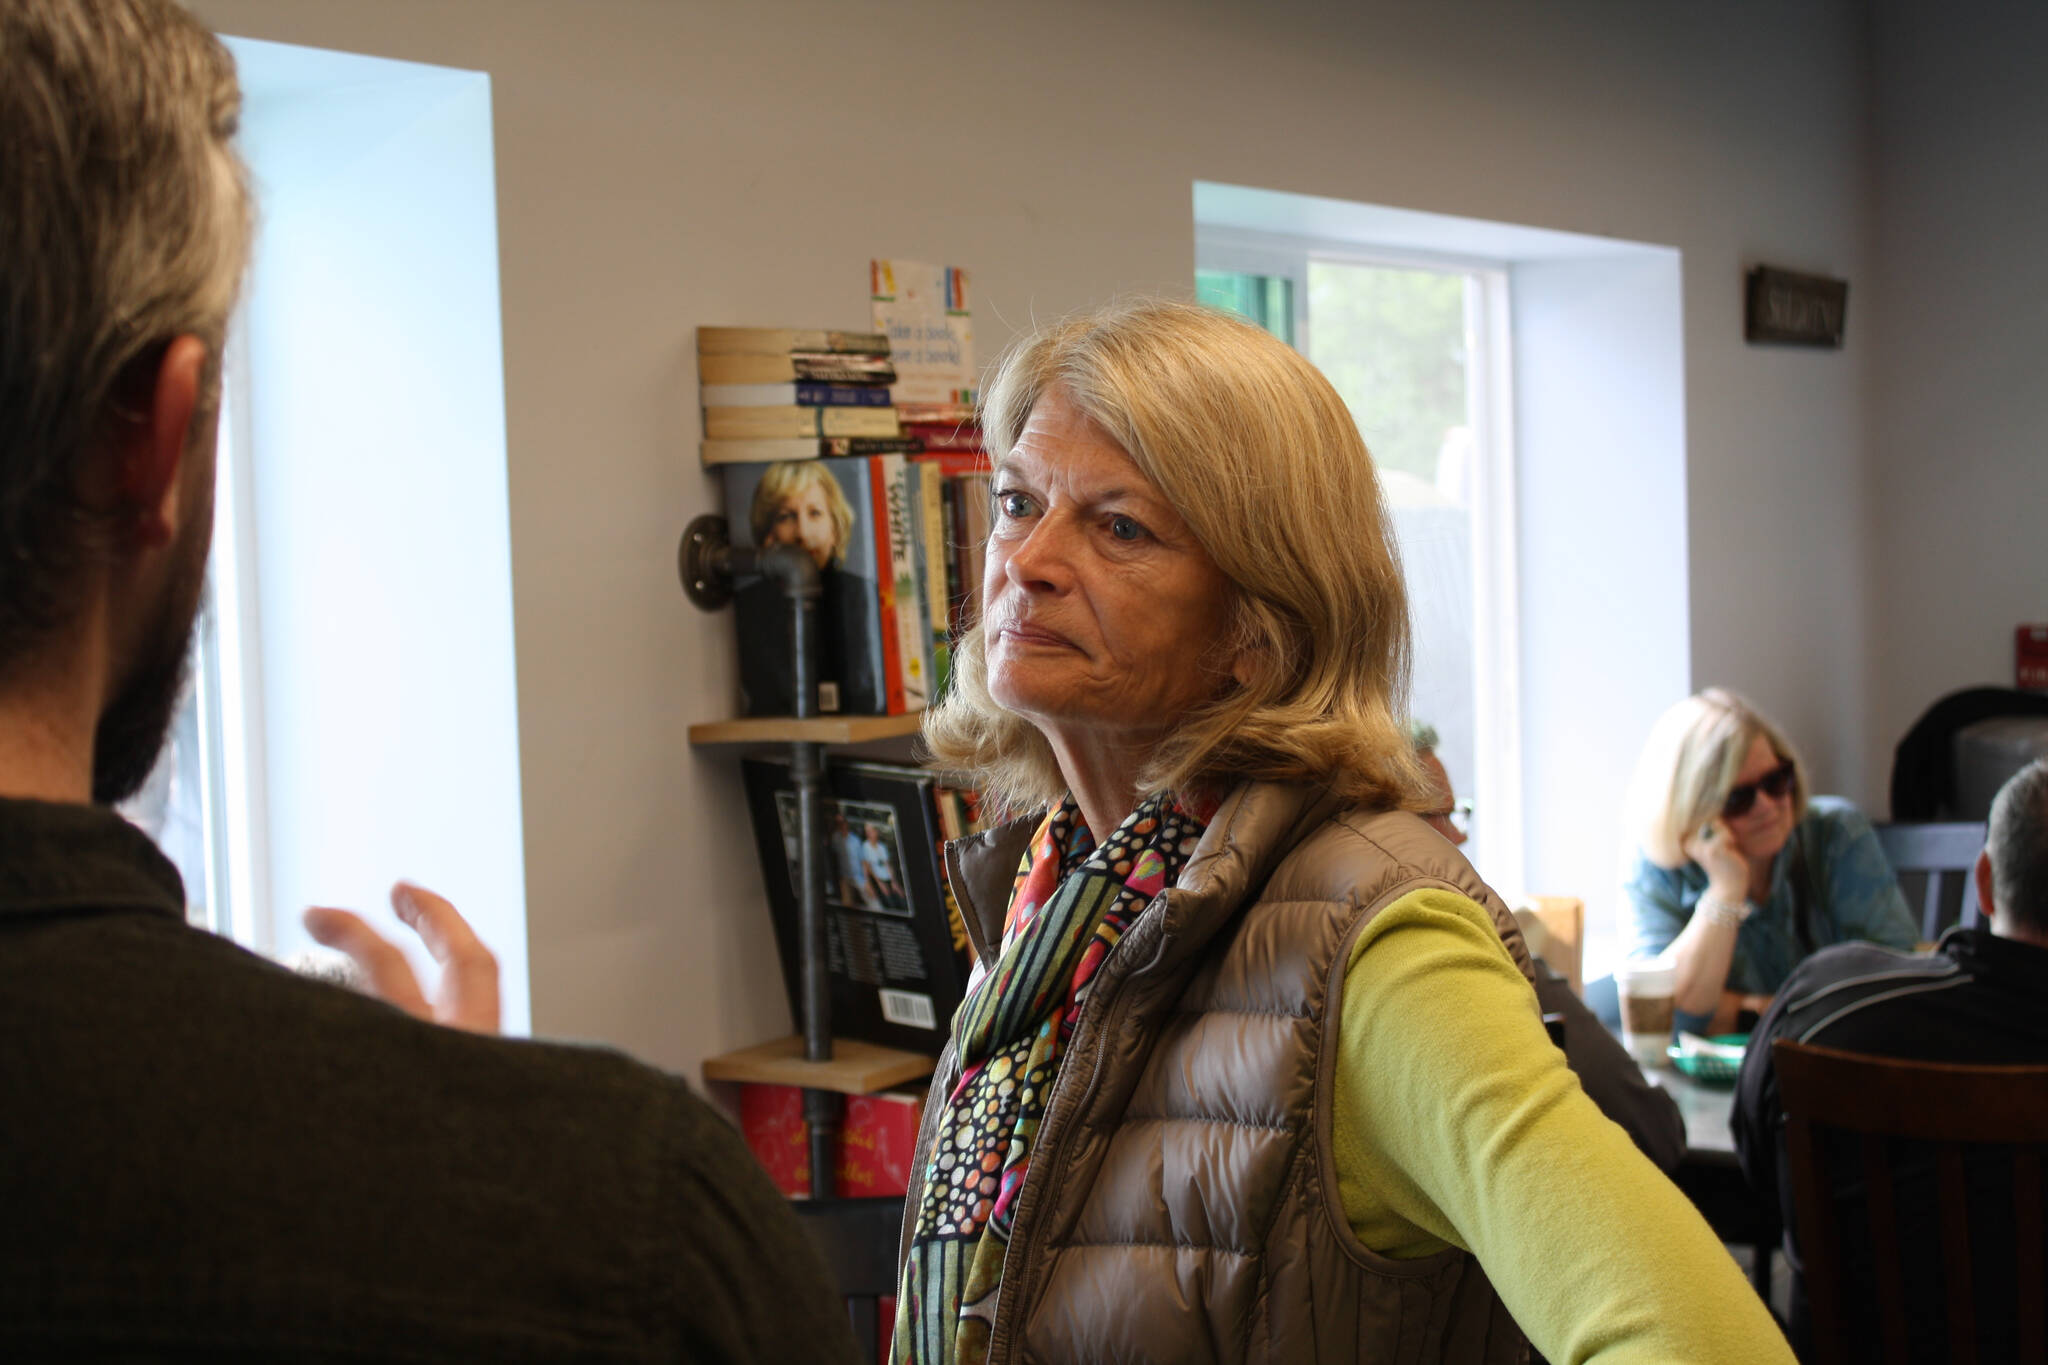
pixel 1100 609
pixel 1763 829
pixel 805 518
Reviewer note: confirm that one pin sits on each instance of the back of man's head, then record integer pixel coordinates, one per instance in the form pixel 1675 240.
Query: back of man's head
pixel 2017 845
pixel 124 223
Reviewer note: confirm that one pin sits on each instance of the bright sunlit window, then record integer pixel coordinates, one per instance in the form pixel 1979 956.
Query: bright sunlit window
pixel 1417 349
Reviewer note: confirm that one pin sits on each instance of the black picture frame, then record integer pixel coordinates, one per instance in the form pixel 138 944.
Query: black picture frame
pixel 1785 307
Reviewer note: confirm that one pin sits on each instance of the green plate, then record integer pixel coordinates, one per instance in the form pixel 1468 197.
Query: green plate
pixel 1705 1068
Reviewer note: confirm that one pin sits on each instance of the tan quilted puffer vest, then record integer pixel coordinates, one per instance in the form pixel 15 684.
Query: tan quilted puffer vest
pixel 1182 1204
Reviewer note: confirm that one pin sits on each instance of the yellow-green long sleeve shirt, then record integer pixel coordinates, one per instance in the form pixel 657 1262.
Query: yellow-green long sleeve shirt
pixel 1455 1122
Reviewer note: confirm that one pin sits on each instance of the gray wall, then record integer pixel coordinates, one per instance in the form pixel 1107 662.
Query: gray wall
pixel 664 163
pixel 1958 320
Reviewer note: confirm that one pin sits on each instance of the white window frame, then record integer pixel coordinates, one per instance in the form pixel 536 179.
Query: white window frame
pixel 230 674
pixel 1497 743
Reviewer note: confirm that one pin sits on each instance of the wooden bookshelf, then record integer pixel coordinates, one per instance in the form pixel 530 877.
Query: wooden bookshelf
pixel 816 729
pixel 856 1068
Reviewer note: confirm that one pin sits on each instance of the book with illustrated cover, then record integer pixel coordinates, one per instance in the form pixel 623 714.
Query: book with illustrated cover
pixel 925 312
pixel 898 962
pixel 827 508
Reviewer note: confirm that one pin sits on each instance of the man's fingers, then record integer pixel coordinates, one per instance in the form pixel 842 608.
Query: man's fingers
pixel 468 994
pixel 439 924
pixel 386 973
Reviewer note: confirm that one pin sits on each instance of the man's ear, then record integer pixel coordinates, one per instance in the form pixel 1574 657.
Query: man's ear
pixel 1983 875
pixel 151 446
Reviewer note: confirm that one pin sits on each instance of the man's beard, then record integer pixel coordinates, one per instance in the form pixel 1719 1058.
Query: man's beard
pixel 136 722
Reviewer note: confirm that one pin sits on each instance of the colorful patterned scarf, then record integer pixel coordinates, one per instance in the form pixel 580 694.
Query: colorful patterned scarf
pixel 1072 901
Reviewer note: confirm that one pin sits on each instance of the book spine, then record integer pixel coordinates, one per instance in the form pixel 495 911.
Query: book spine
pixel 912 637
pixel 782 340
pixel 971 502
pixel 774 450
pixel 945 437
pixel 932 548
pixel 729 423
pixel 819 366
pixel 801 393
pixel 948 414
pixel 812 394
pixel 885 586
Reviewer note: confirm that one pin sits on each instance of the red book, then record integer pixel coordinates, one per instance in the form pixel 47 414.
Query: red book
pixel 877 1136
pixel 2030 658
pixel 885 589
pixel 944 435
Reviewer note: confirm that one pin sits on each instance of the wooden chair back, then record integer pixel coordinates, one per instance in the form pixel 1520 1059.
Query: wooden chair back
pixel 1963 1112
pixel 1555 929
pixel 1934 864
pixel 857 1238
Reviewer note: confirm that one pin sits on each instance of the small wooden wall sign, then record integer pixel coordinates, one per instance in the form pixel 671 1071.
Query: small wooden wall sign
pixel 1800 310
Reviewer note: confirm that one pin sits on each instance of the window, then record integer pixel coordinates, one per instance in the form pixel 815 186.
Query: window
pixel 368 730
pixel 200 804
pixel 1417 346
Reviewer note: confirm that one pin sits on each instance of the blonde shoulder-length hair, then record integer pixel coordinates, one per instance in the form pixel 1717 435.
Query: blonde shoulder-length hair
pixel 1262 460
pixel 791 478
pixel 1693 755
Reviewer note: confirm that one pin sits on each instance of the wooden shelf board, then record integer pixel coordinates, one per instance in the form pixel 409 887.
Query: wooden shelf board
pixel 817 729
pixel 856 1068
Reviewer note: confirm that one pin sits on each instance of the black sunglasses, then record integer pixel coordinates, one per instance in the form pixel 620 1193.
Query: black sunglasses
pixel 1774 783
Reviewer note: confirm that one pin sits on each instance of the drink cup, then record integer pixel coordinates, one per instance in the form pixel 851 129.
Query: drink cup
pixel 1646 989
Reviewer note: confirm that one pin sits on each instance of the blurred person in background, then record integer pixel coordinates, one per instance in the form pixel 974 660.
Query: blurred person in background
pixel 1738 874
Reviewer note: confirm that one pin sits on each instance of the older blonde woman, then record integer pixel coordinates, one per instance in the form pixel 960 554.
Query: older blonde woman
pixel 801 503
pixel 1739 874
pixel 1251 1068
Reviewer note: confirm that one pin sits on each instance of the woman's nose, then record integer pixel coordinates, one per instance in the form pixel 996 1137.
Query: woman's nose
pixel 1044 557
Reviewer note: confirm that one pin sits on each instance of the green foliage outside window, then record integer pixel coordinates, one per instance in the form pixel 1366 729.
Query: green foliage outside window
pixel 1267 300
pixel 1392 341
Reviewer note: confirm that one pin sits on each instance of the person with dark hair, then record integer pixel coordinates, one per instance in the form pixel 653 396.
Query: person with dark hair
pixel 1980 997
pixel 206 1156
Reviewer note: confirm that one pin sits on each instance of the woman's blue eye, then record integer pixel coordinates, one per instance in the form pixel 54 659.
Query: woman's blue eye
pixel 1123 528
pixel 1013 504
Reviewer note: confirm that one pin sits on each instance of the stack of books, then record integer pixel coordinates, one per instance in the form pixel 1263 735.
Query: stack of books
pixel 812 453
pixel 948 435
pixel 781 393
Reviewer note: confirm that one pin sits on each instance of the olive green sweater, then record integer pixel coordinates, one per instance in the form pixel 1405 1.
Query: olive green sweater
pixel 1473 1133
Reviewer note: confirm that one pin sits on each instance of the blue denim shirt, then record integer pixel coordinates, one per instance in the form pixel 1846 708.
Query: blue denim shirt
pixel 1832 857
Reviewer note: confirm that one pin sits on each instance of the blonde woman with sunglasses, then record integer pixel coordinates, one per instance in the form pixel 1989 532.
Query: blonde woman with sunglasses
pixel 1739 874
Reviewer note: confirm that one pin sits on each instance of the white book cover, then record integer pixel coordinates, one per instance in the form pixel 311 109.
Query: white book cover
pixel 925 312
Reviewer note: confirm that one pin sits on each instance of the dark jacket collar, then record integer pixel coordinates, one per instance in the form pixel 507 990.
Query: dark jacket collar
pixel 1986 954
pixel 57 857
